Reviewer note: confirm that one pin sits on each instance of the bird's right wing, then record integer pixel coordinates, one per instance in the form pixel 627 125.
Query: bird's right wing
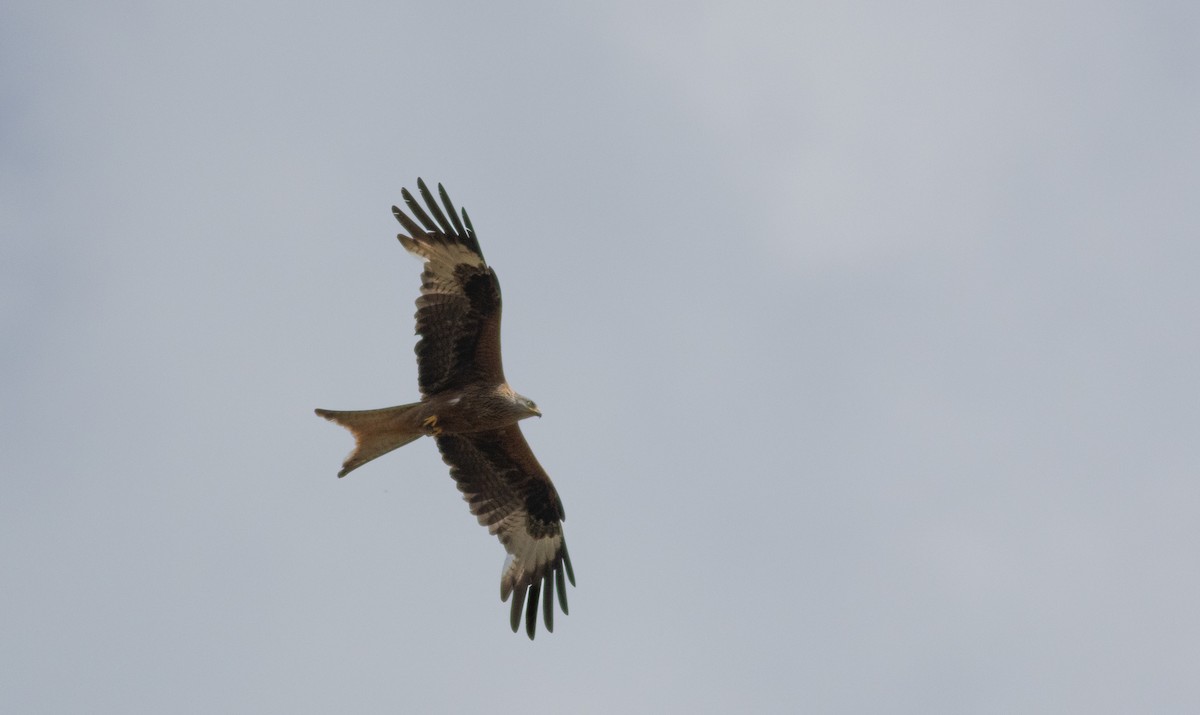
pixel 458 311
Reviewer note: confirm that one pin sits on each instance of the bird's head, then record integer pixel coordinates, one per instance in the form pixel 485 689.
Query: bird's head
pixel 530 407
pixel 525 406
pixel 518 406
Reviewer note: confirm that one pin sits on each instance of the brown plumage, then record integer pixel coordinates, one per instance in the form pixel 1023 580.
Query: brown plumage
pixel 469 409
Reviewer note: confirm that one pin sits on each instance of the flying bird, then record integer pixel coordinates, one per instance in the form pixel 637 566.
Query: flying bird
pixel 468 408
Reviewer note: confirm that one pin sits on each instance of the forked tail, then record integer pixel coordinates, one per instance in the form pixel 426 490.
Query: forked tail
pixel 376 432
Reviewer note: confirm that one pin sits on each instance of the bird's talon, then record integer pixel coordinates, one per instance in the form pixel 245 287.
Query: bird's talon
pixel 431 423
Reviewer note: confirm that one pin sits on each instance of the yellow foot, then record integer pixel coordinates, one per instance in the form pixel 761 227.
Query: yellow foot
pixel 431 423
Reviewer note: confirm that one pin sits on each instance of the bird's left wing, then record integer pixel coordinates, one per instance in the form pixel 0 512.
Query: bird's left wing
pixel 514 498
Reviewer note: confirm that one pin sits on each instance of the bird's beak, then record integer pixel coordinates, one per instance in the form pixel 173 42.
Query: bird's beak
pixel 536 411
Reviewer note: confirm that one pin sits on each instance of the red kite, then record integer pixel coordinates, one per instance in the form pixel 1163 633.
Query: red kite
pixel 470 411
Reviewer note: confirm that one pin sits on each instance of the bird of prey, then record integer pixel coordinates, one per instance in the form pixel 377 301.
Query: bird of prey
pixel 470 411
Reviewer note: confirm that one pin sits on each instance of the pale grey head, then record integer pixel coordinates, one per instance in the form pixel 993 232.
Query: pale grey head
pixel 527 405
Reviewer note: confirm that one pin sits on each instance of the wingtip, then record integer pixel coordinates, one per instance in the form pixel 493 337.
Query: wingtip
pixel 518 605
pixel 531 610
pixel 560 585
pixel 566 559
pixel 548 602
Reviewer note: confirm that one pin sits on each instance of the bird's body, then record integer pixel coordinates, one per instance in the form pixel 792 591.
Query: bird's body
pixel 469 408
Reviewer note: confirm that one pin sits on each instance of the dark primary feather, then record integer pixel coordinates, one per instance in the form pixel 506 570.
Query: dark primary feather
pixel 466 236
pixel 458 227
pixel 415 207
pixel 434 208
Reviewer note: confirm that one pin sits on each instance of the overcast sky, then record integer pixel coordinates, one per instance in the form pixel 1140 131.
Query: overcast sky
pixel 865 334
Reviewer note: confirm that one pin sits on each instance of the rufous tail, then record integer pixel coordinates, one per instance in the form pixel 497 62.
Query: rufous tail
pixel 376 432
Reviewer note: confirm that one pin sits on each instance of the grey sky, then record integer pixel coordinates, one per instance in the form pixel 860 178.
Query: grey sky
pixel 865 335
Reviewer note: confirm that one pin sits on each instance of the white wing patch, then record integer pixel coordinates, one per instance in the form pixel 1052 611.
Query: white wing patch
pixel 529 558
pixel 441 254
pixel 535 569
